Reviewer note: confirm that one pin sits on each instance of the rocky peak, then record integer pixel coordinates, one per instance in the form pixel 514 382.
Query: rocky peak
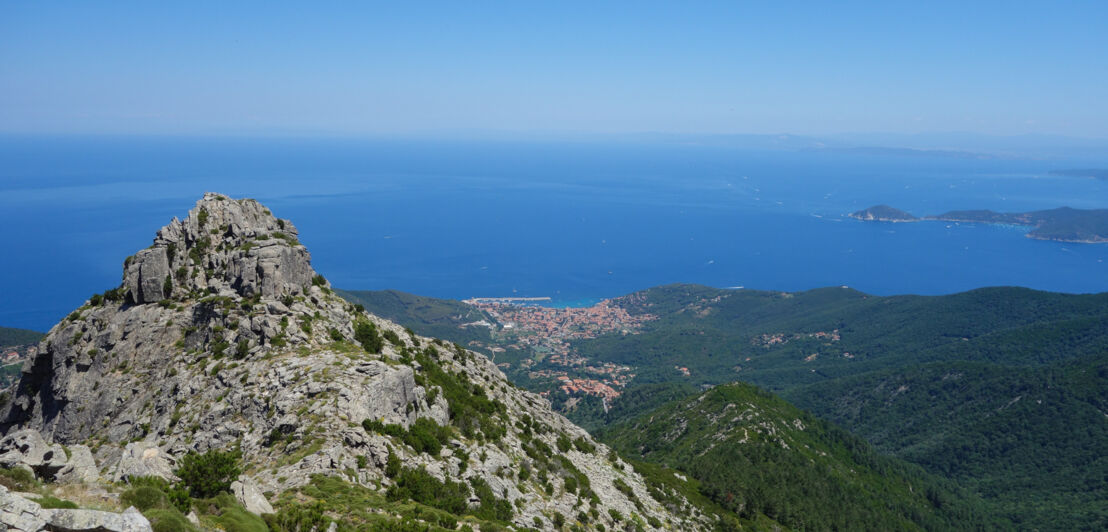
pixel 222 336
pixel 224 246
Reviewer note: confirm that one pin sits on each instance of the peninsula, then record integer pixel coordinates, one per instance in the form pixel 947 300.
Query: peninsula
pixel 1063 224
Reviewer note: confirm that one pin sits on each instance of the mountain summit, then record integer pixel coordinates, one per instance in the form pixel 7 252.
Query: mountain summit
pixel 221 336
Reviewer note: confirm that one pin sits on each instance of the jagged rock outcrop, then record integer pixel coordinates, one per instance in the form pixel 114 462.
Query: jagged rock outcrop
pixel 221 335
pixel 27 449
pixel 24 515
pixel 222 245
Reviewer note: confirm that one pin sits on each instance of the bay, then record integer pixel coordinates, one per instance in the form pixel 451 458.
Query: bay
pixel 574 221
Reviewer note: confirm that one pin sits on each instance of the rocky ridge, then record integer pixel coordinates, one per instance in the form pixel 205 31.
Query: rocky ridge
pixel 222 336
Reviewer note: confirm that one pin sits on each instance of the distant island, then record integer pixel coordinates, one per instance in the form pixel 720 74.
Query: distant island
pixel 1063 224
pixel 883 213
pixel 1090 173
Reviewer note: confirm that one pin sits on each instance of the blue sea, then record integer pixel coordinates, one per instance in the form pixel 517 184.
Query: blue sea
pixel 575 221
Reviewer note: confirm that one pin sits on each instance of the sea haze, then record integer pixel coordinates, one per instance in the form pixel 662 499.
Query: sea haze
pixel 572 221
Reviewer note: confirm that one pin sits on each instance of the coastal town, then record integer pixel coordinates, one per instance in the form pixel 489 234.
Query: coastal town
pixel 11 362
pixel 547 334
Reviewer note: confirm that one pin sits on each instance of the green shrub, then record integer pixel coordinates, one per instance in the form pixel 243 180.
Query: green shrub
pixel 242 349
pixel 365 333
pixel 425 436
pixel 422 487
pixel 564 444
pixel 319 280
pixel 392 466
pixel 571 484
pixel 336 336
pixel 623 488
pixel 392 337
pixel 298 518
pixel 470 408
pixel 49 501
pixel 168 520
pixel 145 498
pixel 18 479
pixel 490 507
pixel 206 475
pixel 228 514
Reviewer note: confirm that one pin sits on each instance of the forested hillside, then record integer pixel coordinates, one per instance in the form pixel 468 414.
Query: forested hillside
pixel 754 453
pixel 1003 390
pixel 10 337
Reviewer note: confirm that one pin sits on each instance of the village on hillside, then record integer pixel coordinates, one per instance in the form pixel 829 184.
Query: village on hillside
pixel 547 332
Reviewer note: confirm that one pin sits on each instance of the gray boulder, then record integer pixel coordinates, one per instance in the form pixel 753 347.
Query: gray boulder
pixel 95 521
pixel 247 493
pixel 27 449
pixel 141 459
pixel 81 466
pixel 18 513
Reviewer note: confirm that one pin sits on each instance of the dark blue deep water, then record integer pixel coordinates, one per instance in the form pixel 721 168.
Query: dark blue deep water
pixel 573 221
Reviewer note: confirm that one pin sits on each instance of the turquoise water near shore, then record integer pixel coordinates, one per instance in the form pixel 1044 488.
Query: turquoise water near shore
pixel 572 221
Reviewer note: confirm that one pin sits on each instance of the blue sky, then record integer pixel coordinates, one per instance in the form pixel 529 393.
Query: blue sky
pixel 584 67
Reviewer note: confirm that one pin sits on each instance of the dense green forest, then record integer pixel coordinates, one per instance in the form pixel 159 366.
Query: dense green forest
pixel 1002 390
pixel 754 453
pixel 12 337
pixel 1030 440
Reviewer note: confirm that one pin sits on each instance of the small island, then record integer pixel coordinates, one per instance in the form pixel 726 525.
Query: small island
pixel 883 213
pixel 1064 224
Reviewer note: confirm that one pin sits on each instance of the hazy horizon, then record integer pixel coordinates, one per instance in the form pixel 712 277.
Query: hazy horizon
pixel 572 69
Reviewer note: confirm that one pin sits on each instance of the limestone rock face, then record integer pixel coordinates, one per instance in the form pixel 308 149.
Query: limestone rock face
pixel 221 335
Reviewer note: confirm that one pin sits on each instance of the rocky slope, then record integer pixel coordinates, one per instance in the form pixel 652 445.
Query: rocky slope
pixel 223 336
